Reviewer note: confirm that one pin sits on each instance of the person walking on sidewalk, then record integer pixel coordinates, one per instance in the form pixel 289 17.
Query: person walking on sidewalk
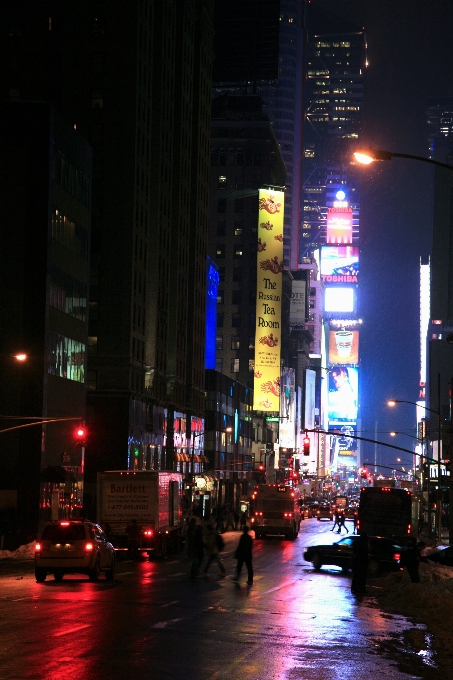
pixel 243 554
pixel 212 550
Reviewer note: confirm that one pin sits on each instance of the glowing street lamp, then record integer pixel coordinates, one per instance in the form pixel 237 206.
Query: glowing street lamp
pixel 369 155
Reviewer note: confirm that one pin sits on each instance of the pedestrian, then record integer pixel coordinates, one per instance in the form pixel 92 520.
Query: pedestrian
pixel 212 550
pixel 356 523
pixel 359 565
pixel 195 546
pixel 411 559
pixel 243 554
pixel 335 517
pixel 133 537
pixel 341 523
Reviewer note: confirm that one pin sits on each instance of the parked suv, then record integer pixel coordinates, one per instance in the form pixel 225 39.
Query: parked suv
pixel 73 547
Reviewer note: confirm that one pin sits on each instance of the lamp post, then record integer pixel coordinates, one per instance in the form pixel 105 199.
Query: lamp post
pixel 393 402
pixel 368 155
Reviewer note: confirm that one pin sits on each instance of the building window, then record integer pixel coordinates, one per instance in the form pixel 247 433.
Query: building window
pixel 222 157
pixel 219 343
pixel 251 342
pixel 251 365
pixel 221 274
pixel 238 250
pixel 220 320
pixel 234 365
pixel 220 250
pixel 219 365
pixel 240 157
pixel 252 320
pixel 237 274
pixel 220 297
pixel 94 310
pixel 221 205
pixel 221 228
pixel 238 182
pixel 222 182
pixel 214 158
pixel 92 344
pixel 235 320
pixel 235 342
pixel 238 226
pixel 92 380
pixel 236 297
pixel 238 205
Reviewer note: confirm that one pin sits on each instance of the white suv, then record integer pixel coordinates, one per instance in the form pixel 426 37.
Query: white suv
pixel 73 547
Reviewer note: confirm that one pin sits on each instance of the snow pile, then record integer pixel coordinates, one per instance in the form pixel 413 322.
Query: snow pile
pixel 430 602
pixel 24 552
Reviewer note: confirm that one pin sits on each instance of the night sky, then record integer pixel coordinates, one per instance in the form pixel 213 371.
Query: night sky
pixel 410 55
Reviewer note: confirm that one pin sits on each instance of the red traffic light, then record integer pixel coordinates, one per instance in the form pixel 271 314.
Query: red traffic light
pixel 306 446
pixel 364 473
pixel 80 436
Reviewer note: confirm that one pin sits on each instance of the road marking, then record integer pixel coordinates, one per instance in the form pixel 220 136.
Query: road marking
pixel 170 603
pixel 72 630
pixel 18 599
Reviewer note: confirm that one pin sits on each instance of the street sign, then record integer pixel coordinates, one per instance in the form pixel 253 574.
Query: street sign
pixel 272 419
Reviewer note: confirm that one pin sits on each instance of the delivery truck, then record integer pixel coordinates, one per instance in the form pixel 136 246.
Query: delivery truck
pixel 275 510
pixel 390 512
pixel 147 503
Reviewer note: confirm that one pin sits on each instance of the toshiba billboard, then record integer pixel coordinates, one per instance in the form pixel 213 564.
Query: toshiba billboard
pixel 339 226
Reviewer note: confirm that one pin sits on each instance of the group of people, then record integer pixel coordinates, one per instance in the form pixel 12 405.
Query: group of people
pixel 340 522
pixel 205 541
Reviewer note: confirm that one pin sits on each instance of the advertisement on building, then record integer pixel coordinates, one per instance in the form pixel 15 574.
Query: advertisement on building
pixel 298 302
pixel 340 264
pixel 268 301
pixel 343 346
pixel 339 226
pixel 310 399
pixel 286 436
pixel 339 299
pixel 343 394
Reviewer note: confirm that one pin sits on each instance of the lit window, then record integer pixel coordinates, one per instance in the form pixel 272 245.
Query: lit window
pixel 235 366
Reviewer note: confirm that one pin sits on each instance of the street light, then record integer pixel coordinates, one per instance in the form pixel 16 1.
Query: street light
pixel 368 155
pixel 394 402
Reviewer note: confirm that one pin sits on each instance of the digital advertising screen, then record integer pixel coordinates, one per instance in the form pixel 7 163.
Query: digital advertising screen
pixel 339 299
pixel 340 264
pixel 343 394
pixel 343 346
pixel 339 226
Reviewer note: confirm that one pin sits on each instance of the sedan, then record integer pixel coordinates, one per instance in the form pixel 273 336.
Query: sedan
pixel 324 511
pixel 383 554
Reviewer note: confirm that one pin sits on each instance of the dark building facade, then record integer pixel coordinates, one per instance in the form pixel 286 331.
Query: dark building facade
pixel 137 85
pixel 44 262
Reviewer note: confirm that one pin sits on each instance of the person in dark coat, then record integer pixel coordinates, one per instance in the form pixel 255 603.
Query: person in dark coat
pixel 359 565
pixel 195 547
pixel 244 554
pixel 341 523
pixel 411 559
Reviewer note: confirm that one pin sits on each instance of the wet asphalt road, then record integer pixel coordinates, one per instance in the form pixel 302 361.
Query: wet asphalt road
pixel 154 623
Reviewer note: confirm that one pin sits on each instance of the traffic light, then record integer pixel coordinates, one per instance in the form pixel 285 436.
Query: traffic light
pixel 80 436
pixel 306 445
pixel 364 473
pixel 261 467
pixel 291 463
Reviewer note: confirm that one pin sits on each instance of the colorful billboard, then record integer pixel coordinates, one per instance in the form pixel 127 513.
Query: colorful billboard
pixel 339 264
pixel 343 394
pixel 286 435
pixel 339 225
pixel 339 299
pixel 343 346
pixel 268 301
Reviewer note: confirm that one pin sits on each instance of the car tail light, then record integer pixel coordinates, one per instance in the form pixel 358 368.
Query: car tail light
pixel 148 532
pixel 38 547
pixel 64 524
pixel 396 557
pixel 89 547
pixel 288 514
pixel 258 514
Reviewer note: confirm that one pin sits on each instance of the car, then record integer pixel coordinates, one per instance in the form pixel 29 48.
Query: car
pixel 73 547
pixel 384 555
pixel 324 511
pixel 351 512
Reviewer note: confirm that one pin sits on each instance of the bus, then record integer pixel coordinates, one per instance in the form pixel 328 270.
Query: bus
pixel 275 509
pixel 386 511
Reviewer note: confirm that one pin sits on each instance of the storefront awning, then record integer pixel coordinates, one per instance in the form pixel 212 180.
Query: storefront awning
pixel 181 457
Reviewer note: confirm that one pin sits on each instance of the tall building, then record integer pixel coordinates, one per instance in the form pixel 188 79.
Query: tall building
pixel 333 99
pixel 258 49
pixel 137 85
pixel 439 118
pixel 44 263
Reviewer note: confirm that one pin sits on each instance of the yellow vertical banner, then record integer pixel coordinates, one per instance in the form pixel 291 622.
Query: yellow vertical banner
pixel 266 382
